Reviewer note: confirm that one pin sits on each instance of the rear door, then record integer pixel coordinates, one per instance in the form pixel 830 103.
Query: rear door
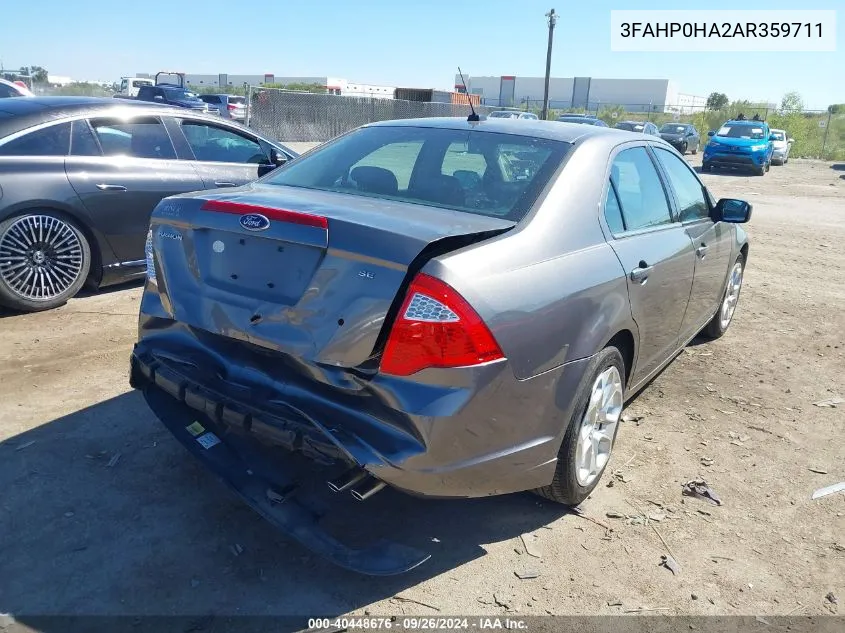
pixel 655 251
pixel 122 173
pixel 712 241
pixel 223 156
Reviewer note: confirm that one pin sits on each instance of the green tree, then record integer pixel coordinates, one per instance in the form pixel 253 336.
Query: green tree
pixel 792 102
pixel 836 108
pixel 717 101
pixel 38 74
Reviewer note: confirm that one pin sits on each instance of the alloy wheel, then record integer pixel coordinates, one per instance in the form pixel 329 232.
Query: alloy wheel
pixel 731 296
pixel 598 426
pixel 40 257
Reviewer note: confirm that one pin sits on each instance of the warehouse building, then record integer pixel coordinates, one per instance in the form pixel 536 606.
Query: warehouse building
pixel 636 95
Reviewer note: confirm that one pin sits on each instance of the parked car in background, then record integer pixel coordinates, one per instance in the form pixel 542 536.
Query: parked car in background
pixel 14 89
pixel 585 119
pixel 513 114
pixel 229 106
pixel 643 127
pixel 403 307
pixel 682 136
pixel 740 144
pixel 80 177
pixel 781 145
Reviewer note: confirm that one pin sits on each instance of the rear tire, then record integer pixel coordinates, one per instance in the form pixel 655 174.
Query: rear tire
pixel 44 261
pixel 588 442
pixel 684 149
pixel 695 149
pixel 721 321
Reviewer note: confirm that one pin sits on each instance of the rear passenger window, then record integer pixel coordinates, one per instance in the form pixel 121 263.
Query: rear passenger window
pixel 82 141
pixel 640 191
pixel 141 138
pixel 53 140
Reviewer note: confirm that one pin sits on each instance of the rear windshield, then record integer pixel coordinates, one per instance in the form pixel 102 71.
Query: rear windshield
pixel 779 136
pixel 237 100
pixel 673 128
pixel 741 131
pixel 503 115
pixel 480 172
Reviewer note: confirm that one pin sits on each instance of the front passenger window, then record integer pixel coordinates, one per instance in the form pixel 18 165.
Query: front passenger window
pixel 218 145
pixel 688 190
pixel 640 191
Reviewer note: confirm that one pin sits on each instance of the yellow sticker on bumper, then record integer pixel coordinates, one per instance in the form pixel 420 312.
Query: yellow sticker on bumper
pixel 195 429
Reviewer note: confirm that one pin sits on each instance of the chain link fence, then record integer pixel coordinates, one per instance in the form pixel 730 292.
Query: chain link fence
pixel 303 116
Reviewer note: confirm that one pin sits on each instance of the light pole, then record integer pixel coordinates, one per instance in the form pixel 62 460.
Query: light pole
pixel 552 21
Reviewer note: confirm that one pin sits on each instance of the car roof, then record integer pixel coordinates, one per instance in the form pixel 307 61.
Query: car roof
pixel 19 114
pixel 552 130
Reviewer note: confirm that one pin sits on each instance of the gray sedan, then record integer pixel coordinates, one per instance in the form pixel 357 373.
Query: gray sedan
pixel 450 308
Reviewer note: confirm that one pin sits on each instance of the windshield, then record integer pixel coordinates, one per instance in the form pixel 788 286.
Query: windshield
pixel 779 136
pixel 673 128
pixel 478 172
pixel 178 94
pixel 237 100
pixel 741 131
pixel 633 127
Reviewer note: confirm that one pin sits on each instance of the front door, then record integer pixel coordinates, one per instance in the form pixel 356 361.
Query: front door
pixel 655 252
pixel 122 177
pixel 711 241
pixel 224 157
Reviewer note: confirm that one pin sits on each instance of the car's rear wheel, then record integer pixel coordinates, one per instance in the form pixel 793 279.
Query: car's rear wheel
pixel 695 149
pixel 721 321
pixel 44 261
pixel 591 433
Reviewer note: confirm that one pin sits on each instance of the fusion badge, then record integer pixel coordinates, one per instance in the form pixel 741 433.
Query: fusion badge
pixel 255 222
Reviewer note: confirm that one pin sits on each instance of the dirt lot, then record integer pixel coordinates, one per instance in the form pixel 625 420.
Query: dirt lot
pixel 103 513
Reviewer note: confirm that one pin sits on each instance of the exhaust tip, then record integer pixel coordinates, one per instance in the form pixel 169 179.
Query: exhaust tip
pixel 369 490
pixel 347 480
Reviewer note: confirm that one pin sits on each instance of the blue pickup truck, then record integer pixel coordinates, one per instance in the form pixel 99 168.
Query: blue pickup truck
pixel 740 144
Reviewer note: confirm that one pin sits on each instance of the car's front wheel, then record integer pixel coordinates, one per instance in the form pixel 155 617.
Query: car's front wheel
pixel 721 321
pixel 44 261
pixel 591 433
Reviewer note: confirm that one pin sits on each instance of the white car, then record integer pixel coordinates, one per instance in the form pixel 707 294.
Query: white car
pixel 512 114
pixel 782 144
pixel 13 89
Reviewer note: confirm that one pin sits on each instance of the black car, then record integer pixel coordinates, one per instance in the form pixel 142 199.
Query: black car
pixel 683 136
pixel 584 119
pixel 643 127
pixel 80 176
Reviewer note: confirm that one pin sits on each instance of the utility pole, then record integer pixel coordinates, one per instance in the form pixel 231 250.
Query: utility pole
pixel 552 16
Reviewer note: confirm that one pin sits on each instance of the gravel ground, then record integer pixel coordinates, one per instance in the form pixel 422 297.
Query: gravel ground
pixel 103 513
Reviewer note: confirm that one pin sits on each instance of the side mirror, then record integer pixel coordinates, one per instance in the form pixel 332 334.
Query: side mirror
pixel 733 211
pixel 711 133
pixel 277 158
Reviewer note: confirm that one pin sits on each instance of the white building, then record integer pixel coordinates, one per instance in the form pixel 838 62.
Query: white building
pixel 635 95
pixel 333 85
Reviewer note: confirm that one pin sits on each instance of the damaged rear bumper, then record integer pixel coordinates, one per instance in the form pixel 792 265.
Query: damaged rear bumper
pixel 268 488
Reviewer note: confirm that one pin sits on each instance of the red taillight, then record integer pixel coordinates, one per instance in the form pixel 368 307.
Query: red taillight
pixel 232 106
pixel 281 215
pixel 436 327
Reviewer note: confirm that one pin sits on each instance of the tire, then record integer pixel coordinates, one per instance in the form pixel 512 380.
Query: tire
pixel 43 272
pixel 760 171
pixel 571 485
pixel 695 149
pixel 768 165
pixel 706 167
pixel 684 149
pixel 718 324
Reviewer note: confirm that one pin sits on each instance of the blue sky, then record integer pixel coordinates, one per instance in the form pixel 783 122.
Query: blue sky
pixel 409 43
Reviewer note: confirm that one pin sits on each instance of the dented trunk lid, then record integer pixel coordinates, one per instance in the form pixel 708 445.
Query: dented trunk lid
pixel 316 289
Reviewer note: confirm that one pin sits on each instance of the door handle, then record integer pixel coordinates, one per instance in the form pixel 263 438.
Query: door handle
pixel 106 187
pixel 640 273
pixel 701 251
pixel 225 184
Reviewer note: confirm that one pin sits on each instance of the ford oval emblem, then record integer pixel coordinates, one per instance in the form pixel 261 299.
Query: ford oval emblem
pixel 255 222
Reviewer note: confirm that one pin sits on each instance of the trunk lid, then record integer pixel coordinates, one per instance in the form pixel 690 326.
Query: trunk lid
pixel 310 274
